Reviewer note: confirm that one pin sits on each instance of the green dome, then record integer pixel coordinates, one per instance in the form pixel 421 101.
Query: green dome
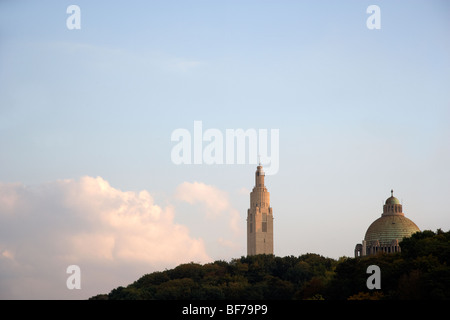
pixel 392 200
pixel 388 228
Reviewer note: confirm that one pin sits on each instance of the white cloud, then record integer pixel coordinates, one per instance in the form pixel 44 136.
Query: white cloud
pixel 184 65
pixel 243 191
pixel 114 236
pixel 8 255
pixel 219 221
pixel 101 57
pixel 214 201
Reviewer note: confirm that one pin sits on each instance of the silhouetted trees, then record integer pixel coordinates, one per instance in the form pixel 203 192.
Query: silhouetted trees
pixel 420 271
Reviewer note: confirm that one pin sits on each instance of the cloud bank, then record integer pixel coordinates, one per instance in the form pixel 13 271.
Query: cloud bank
pixel 113 236
pixel 214 201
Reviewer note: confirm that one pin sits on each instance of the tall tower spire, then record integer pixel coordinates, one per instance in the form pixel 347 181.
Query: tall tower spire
pixel 259 218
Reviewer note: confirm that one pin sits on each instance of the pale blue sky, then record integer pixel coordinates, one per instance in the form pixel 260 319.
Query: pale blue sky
pixel 359 111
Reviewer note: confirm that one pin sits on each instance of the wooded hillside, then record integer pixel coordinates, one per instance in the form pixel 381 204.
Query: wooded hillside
pixel 420 271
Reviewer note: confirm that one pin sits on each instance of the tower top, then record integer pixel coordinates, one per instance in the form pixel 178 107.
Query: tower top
pixel 260 171
pixel 259 176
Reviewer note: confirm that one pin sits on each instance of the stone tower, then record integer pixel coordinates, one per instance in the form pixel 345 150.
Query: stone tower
pixel 259 218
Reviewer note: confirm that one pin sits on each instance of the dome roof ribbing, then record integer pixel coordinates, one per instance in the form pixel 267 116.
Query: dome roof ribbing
pixel 391 226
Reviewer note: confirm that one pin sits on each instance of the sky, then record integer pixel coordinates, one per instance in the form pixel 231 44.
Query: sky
pixel 87 175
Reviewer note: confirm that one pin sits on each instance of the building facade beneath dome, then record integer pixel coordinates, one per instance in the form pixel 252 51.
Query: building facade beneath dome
pixel 385 233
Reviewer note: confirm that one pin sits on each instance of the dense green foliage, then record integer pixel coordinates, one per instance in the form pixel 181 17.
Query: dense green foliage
pixel 420 271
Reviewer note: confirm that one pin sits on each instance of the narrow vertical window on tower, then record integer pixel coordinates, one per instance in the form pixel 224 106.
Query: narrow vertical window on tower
pixel 264 222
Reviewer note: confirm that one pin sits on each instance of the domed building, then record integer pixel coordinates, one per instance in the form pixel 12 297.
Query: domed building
pixel 385 233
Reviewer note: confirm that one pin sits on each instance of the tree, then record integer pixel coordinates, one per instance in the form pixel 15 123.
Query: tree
pixel 420 271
